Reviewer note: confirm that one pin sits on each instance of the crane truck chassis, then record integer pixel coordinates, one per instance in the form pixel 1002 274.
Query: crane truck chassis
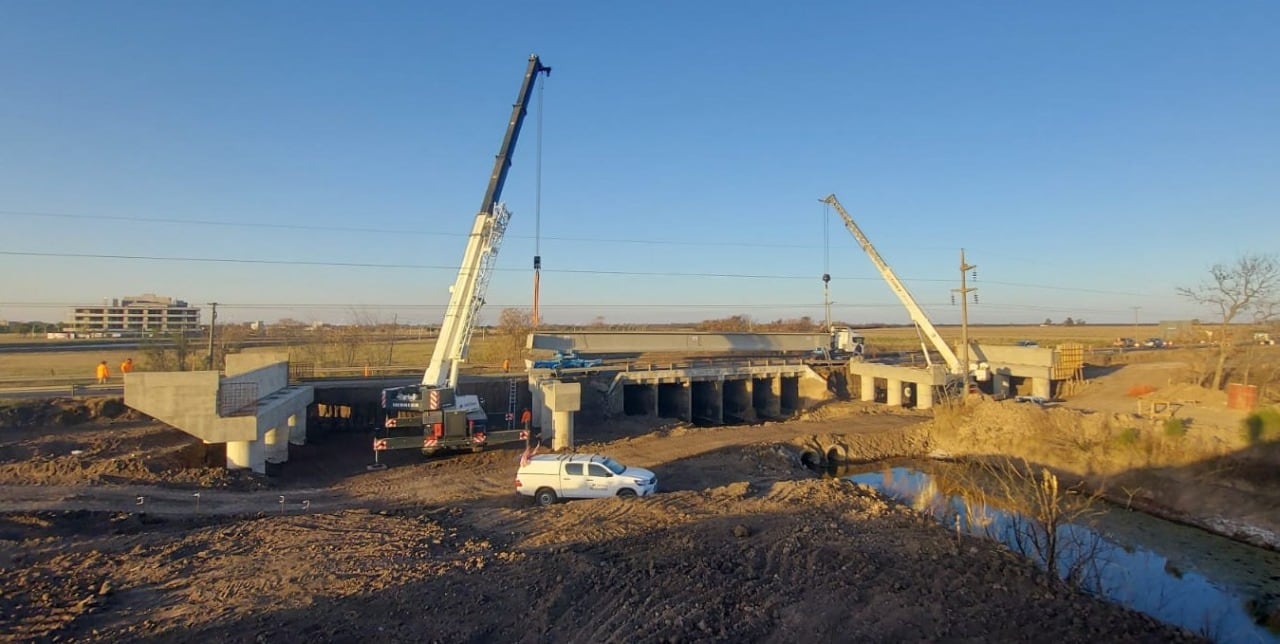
pixel 431 416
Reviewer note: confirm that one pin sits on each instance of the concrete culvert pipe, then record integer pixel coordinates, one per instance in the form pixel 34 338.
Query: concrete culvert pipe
pixel 810 458
pixel 835 455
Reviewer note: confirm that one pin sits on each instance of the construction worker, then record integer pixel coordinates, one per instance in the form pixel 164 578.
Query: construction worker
pixel 103 372
pixel 526 420
pixel 506 365
pixel 126 366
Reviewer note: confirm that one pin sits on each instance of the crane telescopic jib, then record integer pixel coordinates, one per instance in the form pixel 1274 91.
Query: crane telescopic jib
pixel 917 314
pixel 448 420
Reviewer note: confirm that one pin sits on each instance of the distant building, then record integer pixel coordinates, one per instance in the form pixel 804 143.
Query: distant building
pixel 135 315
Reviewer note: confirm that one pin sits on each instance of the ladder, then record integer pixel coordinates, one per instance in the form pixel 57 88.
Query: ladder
pixel 513 400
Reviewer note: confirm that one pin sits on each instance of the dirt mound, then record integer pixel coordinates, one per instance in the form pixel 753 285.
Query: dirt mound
pixel 104 446
pixel 790 561
pixel 64 412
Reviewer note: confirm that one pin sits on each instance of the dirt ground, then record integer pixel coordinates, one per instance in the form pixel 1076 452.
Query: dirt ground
pixel 113 528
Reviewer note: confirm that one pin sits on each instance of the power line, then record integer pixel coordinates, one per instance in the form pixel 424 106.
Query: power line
pixel 399 231
pixel 290 262
pixel 591 305
pixel 577 271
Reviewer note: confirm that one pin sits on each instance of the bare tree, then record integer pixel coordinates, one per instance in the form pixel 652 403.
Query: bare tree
pixel 1248 287
pixel 514 325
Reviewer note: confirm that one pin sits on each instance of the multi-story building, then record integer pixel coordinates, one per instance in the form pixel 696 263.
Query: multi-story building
pixel 135 315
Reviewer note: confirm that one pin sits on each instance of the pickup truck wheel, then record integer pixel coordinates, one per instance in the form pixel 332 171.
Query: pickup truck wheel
pixel 627 493
pixel 545 497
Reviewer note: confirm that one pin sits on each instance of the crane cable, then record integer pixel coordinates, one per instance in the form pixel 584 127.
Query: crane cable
pixel 826 263
pixel 537 210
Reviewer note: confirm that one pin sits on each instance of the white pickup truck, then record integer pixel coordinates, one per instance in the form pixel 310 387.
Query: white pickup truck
pixel 550 477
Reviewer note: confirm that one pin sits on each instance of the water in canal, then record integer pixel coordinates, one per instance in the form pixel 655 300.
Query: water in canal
pixel 1210 585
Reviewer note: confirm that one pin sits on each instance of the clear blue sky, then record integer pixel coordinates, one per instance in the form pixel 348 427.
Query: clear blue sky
pixel 1089 156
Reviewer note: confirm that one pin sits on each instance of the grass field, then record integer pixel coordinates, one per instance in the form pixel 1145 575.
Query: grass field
pixel 1048 336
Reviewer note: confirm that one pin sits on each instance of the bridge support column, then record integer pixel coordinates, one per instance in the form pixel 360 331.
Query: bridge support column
pixel 867 388
pixel 298 428
pixel 247 455
pixel 924 396
pixel 562 430
pixel 686 399
pixel 893 393
pixel 1000 384
pixel 539 410
pixel 276 442
pixel 717 402
pixel 1041 387
pixel 561 400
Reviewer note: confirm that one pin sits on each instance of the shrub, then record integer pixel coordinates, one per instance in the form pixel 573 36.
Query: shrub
pixel 1128 436
pixel 1175 428
pixel 1262 425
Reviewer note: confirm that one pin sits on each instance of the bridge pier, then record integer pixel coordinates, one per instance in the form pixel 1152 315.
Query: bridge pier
pixel 893 393
pixel 924 397
pixel 298 429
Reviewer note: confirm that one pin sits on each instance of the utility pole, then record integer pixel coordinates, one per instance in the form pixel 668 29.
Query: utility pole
pixel 964 291
pixel 213 323
pixel 1135 322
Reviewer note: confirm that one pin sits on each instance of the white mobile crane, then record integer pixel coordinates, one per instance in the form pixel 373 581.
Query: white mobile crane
pixel 430 416
pixel 917 314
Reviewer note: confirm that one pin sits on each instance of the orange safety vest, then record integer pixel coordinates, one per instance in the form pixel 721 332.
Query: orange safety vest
pixel 103 372
pixel 126 367
pixel 526 416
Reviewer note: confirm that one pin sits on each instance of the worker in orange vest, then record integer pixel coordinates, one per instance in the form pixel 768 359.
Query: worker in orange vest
pixel 506 365
pixel 103 372
pixel 126 366
pixel 526 420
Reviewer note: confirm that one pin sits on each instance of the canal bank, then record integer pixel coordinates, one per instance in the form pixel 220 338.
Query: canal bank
pixel 1213 586
pixel 1204 475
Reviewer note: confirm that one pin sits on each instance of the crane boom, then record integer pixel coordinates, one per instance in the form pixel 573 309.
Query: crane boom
pixel 917 314
pixel 468 290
